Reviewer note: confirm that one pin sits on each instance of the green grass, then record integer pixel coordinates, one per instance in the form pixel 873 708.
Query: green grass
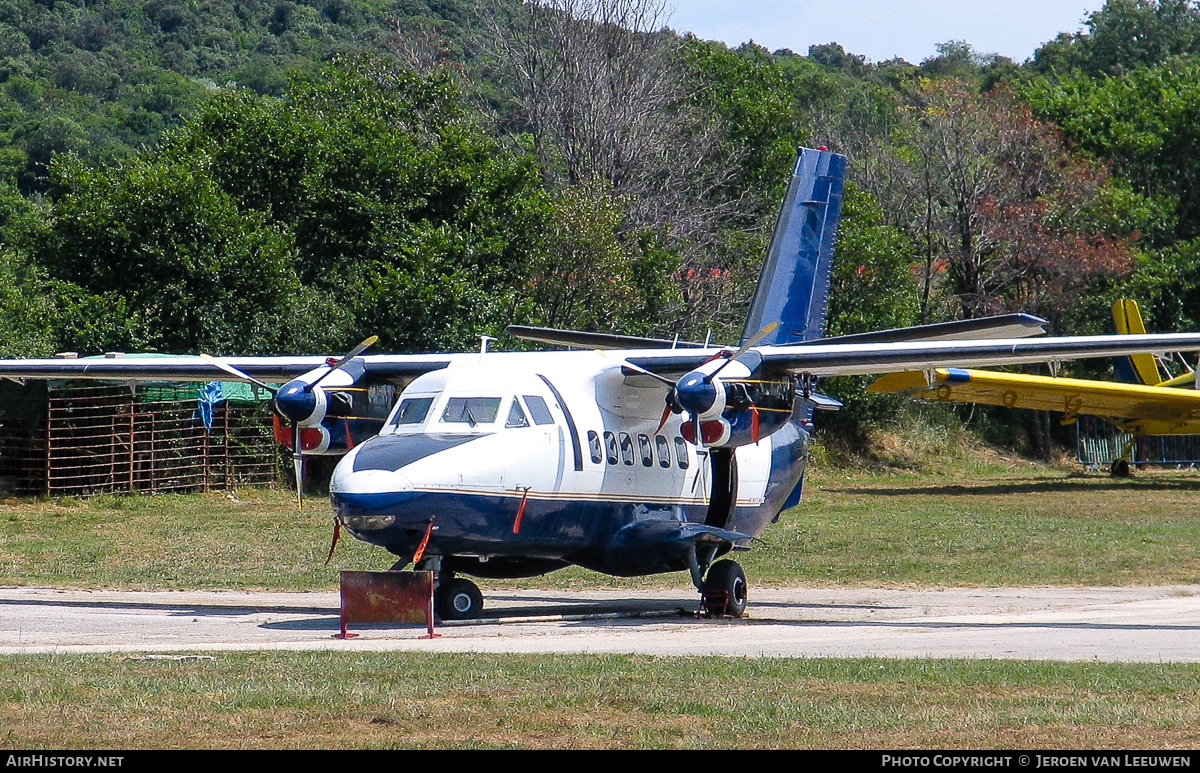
pixel 394 700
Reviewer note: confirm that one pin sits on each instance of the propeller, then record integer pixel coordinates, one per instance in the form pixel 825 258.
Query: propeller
pixel 696 392
pixel 298 401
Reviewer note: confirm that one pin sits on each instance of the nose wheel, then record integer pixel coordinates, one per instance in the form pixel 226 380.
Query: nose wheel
pixel 724 590
pixel 458 599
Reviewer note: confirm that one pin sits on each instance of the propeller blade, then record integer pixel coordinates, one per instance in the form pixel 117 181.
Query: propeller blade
pixel 235 372
pixel 627 364
pixel 744 348
pixel 666 414
pixel 350 355
pixel 298 464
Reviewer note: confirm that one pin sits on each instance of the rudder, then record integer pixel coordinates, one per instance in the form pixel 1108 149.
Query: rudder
pixel 793 287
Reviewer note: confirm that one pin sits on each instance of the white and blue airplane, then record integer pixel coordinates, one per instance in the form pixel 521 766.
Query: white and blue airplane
pixel 627 456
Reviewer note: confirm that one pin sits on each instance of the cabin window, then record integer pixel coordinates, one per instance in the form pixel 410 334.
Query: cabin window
pixel 664 451
pixel 516 417
pixel 412 410
pixel 610 445
pixel 538 410
pixel 681 454
pixel 471 410
pixel 594 447
pixel 626 448
pixel 647 451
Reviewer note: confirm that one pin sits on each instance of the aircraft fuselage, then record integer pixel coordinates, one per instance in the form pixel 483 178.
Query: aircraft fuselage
pixel 514 464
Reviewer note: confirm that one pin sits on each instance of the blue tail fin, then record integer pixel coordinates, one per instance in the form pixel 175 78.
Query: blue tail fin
pixel 793 288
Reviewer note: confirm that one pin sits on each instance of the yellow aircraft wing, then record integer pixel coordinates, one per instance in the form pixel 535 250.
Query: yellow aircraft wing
pixel 1148 410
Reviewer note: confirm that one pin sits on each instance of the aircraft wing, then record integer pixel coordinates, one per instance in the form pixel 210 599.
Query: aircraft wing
pixel 186 368
pixel 1003 326
pixel 826 359
pixel 1156 410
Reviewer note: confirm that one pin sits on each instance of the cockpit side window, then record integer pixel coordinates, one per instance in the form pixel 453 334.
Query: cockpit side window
pixel 516 417
pixel 412 410
pixel 538 409
pixel 471 410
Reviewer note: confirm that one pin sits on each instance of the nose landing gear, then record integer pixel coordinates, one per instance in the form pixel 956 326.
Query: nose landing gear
pixel 457 599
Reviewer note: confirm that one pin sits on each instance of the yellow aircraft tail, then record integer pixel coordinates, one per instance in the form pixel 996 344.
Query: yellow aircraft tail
pixel 1136 368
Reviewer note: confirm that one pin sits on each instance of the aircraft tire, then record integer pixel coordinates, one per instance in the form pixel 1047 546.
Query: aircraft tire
pixel 726 578
pixel 1119 469
pixel 458 599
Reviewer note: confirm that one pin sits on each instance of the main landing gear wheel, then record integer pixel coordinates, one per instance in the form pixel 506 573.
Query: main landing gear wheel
pixel 725 589
pixel 458 599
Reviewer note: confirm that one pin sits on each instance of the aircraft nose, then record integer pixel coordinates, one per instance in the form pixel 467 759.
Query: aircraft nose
pixel 361 490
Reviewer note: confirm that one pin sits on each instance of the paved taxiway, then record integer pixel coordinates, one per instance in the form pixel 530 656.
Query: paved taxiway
pixel 1106 624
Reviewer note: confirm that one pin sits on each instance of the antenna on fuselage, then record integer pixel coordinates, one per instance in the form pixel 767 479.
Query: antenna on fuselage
pixel 483 345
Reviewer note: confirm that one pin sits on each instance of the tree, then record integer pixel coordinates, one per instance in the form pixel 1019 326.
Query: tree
pixel 1145 124
pixel 999 206
pixel 597 89
pixel 191 268
pixel 1123 36
pixel 408 220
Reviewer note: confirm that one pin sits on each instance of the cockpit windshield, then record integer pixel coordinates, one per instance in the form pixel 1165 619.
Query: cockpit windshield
pixel 471 410
pixel 412 410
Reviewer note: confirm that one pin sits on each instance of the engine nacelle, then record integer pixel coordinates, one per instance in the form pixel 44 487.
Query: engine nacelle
pixel 732 405
pixel 343 419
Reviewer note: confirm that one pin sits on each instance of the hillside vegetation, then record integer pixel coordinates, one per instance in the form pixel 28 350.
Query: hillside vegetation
pixel 254 177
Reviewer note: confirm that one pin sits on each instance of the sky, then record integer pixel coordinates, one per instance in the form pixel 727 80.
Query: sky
pixel 883 29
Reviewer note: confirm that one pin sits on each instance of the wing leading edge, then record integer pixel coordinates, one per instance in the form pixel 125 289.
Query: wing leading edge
pixel 188 368
pixel 824 359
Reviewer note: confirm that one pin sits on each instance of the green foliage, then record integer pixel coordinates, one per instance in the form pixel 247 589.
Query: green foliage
pixel 366 200
pixel 199 271
pixel 400 207
pixel 589 276
pixel 1166 285
pixel 1145 123
pixel 872 287
pixel 1123 36
pixel 26 310
pixel 755 101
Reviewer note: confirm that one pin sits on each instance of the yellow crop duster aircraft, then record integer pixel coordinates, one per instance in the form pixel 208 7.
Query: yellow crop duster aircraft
pixel 1151 406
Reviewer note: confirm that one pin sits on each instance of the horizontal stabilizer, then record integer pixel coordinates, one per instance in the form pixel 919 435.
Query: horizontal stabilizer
pixel 1003 326
pixel 824 402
